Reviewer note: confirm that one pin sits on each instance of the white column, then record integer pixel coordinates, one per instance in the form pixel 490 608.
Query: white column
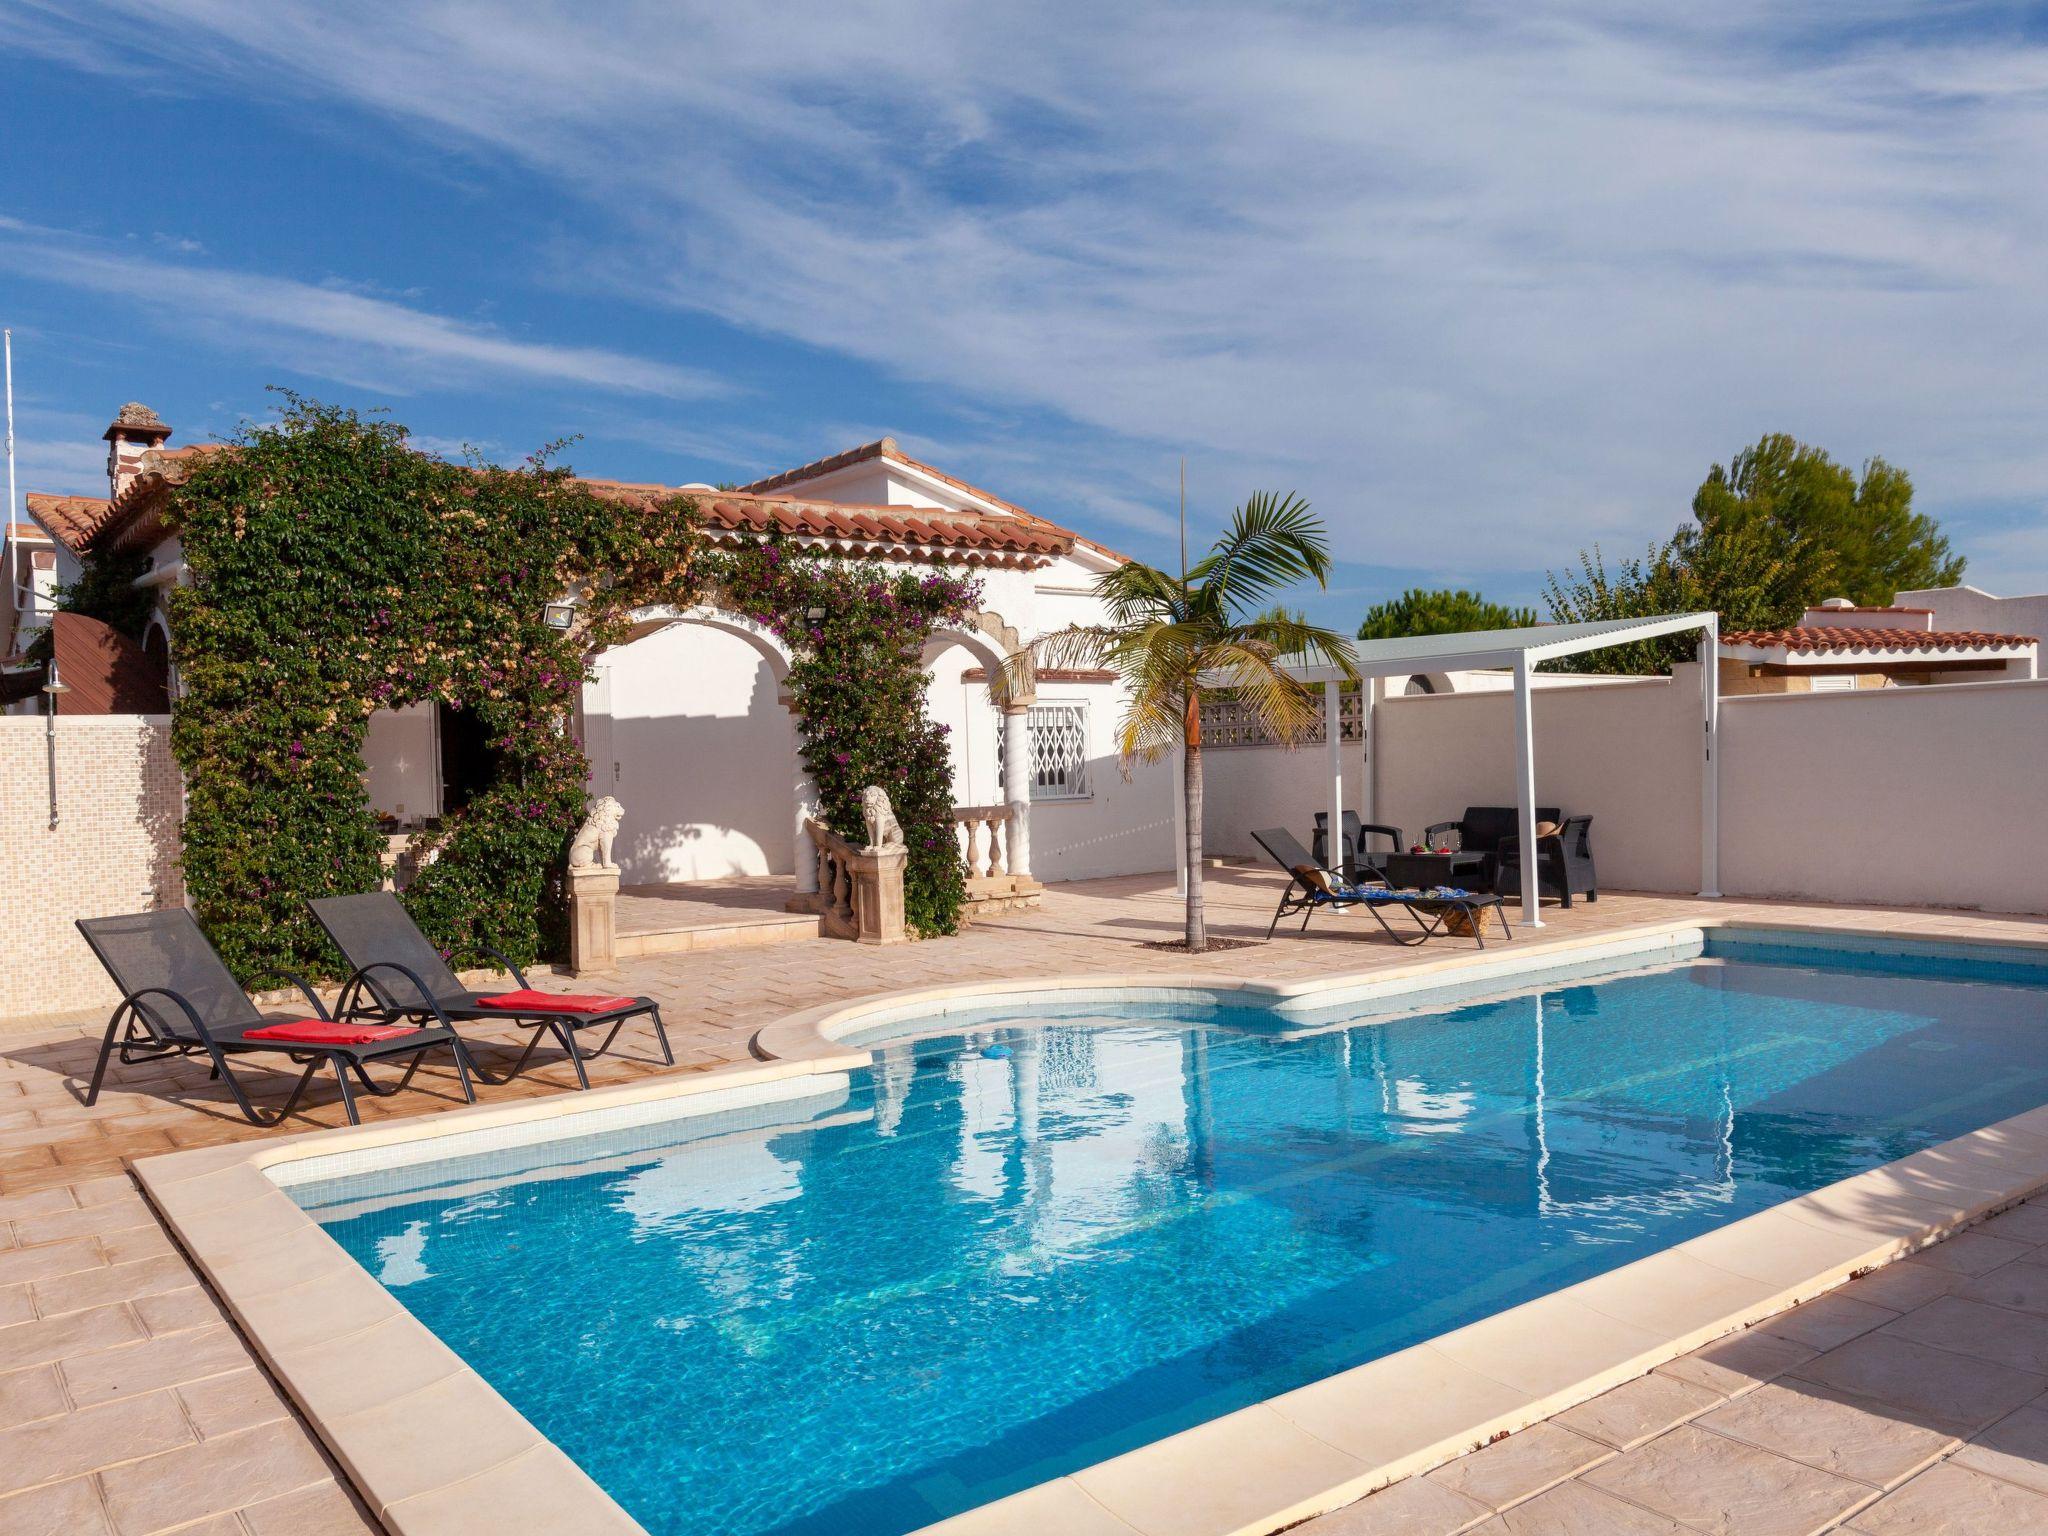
pixel 1017 785
pixel 804 792
pixel 1525 790
pixel 1710 768
pixel 1333 756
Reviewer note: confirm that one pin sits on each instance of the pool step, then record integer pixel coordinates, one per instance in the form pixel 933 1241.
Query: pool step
pixel 766 929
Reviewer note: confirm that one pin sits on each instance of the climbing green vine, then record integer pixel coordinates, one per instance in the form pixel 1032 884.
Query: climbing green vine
pixel 856 634
pixel 338 571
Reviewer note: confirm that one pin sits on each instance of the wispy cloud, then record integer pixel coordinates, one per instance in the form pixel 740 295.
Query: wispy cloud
pixel 1481 277
pixel 329 329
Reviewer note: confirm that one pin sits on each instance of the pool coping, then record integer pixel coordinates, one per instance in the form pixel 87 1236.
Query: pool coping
pixel 434 1450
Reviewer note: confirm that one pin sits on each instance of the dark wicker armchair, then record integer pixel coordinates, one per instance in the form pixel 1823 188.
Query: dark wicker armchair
pixel 1361 860
pixel 1564 862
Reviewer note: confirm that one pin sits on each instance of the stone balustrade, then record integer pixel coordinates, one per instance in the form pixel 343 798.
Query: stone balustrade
pixel 995 857
pixel 860 890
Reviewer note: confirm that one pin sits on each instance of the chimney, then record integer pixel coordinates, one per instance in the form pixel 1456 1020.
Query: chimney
pixel 133 432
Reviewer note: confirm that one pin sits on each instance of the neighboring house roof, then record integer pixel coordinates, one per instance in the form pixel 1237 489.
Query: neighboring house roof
pixel 30 533
pixel 920 532
pixel 887 449
pixel 1843 639
pixel 104 672
pixel 71 520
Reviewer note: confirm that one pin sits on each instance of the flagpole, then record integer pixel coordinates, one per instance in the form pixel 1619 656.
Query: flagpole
pixel 13 557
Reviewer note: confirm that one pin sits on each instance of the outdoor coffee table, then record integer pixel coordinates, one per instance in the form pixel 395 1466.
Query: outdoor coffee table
pixel 1421 871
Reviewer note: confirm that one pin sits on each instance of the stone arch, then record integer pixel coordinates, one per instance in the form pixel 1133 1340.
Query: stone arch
pixel 648 621
pixel 990 640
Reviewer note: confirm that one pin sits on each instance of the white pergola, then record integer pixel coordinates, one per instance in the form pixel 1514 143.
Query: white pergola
pixel 1520 650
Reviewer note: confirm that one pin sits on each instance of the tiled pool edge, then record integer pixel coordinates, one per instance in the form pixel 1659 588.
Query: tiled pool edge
pixel 382 1391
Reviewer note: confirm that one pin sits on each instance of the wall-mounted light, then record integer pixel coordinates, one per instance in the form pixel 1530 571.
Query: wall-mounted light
pixel 559 615
pixel 53 686
pixel 814 614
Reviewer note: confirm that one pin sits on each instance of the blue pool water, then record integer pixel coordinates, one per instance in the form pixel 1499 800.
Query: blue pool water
pixel 1013 1252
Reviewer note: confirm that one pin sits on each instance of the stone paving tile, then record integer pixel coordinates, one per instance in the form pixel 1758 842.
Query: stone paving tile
pixel 1416 1506
pixel 56 1509
pixel 1950 1500
pixel 2015 1449
pixel 72 1444
pixel 1828 1321
pixel 1834 1433
pixel 1934 1387
pixel 213 1477
pixel 151 1333
pixel 2021 1286
pixel 1579 1509
pixel 1520 1466
pixel 1712 1483
pixel 1637 1410
pixel 153 1364
pixel 1979 1330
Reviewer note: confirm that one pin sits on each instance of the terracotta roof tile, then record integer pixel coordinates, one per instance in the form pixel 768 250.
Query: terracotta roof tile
pixel 71 519
pixel 912 532
pixel 1843 637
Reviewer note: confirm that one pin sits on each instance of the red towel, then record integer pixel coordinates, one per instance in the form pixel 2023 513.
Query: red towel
pixel 557 1002
pixel 328 1032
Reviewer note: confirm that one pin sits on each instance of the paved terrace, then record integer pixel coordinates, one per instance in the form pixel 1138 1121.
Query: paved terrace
pixel 1912 1400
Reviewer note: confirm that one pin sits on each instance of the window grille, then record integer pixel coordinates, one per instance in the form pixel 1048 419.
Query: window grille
pixel 1228 723
pixel 1059 752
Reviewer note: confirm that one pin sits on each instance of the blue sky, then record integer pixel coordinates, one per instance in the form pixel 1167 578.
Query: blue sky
pixel 1487 283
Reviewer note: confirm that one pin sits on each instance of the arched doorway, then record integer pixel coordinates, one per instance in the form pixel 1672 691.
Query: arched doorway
pixel 686 728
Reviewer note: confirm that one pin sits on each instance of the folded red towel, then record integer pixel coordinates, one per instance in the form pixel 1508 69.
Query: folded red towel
pixel 328 1032
pixel 556 1002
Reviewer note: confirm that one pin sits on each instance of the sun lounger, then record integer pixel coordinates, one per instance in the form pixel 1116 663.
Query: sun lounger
pixel 398 974
pixel 1311 888
pixel 179 999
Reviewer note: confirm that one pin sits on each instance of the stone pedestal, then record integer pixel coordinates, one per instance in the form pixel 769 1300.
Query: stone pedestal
pixel 593 918
pixel 878 896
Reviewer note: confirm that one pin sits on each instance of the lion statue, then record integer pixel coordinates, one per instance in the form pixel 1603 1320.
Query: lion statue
pixel 592 845
pixel 884 831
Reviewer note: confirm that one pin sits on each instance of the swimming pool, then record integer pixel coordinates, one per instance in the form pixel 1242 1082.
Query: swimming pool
pixel 1017 1250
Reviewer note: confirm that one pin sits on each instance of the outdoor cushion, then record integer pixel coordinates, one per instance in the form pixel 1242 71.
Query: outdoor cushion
pixel 327 1032
pixel 530 1001
pixel 1315 879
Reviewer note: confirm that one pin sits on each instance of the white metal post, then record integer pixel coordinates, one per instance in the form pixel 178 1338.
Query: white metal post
pixel 1369 749
pixel 1525 789
pixel 1710 767
pixel 1333 756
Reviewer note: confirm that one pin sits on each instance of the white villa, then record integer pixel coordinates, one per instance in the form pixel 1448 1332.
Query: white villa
pixel 688 725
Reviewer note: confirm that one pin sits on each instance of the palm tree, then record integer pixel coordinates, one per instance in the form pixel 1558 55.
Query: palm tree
pixel 1170 637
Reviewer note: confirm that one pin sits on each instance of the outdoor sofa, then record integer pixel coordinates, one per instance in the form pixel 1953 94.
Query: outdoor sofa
pixel 178 998
pixel 1482 830
pixel 1312 888
pixel 397 973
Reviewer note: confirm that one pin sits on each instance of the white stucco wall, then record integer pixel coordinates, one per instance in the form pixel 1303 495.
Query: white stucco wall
pixel 1245 788
pixel 684 728
pixel 1969 608
pixel 1627 754
pixel 1907 796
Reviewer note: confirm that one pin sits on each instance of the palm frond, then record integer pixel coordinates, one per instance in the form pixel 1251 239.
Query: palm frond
pixel 1272 542
pixel 1136 593
pixel 1291 635
pixel 1287 708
